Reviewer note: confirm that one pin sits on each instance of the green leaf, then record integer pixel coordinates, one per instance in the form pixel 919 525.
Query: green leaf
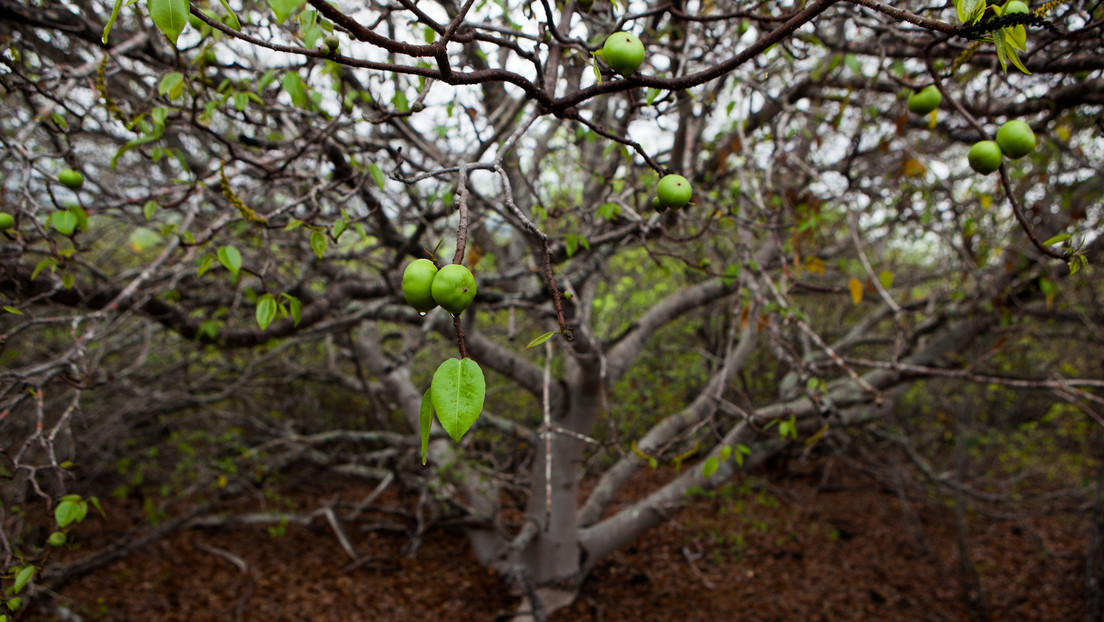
pixel 652 94
pixel 70 511
pixel 377 174
pixel 111 20
pixel 266 311
pixel 457 391
pixel 231 258
pixel 170 16
pixel 541 339
pixel 969 11
pixel 425 417
pixel 10 309
pixel 22 578
pixel 293 84
pixel 65 222
pixel 609 211
pixel 149 209
pixel 284 8
pixel 726 453
pixel 205 264
pixel 294 307
pixel 1058 239
pixel 886 279
pixel 172 84
pixel 318 243
pixel 710 466
pixel 233 20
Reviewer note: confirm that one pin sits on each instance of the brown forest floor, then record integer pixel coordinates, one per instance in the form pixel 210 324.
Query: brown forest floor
pixel 790 545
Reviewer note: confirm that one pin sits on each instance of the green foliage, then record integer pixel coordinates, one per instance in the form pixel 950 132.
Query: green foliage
pixel 170 16
pixel 457 393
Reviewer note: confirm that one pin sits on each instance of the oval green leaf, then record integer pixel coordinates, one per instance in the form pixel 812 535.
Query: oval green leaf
pixel 318 243
pixel 457 393
pixel 231 258
pixel 65 222
pixel 170 16
pixel 266 311
pixel 710 466
pixel 726 453
pixel 22 578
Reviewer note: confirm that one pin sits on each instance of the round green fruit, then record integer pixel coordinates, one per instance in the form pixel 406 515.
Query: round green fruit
pixel 6 221
pixel 624 52
pixel 57 538
pixel 417 284
pixel 1016 6
pixel 984 157
pixel 658 206
pixel 674 191
pixel 71 179
pixel 454 288
pixel 1016 139
pixel 925 100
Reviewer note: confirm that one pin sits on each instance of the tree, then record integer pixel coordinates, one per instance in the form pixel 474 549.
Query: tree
pixel 258 175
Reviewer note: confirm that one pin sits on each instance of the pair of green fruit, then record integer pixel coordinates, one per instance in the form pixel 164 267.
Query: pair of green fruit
pixel 672 192
pixel 1014 139
pixel 425 287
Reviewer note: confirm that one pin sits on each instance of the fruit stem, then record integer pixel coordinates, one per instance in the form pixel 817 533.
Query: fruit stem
pixel 458 325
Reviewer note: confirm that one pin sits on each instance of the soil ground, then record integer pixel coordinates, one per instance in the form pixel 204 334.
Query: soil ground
pixel 815 541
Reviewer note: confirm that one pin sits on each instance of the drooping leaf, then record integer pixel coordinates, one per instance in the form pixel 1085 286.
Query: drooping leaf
pixel 68 512
pixel 293 84
pixel 149 209
pixel 856 288
pixel 232 17
pixel 425 421
pixel 710 466
pixel 377 174
pixel 318 243
pixel 294 307
pixel 22 578
pixel 65 222
pixel 457 391
pixel 726 453
pixel 266 311
pixel 111 20
pixel 231 258
pixel 540 339
pixel 284 8
pixel 171 84
pixel 170 16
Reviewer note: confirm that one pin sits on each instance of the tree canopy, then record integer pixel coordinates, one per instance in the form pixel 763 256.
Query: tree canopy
pixel 212 205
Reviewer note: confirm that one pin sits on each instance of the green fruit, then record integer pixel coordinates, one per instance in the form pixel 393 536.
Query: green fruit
pixel 984 157
pixel 925 100
pixel 1016 6
pixel 674 191
pixel 624 52
pixel 71 179
pixel 658 206
pixel 454 288
pixel 417 284
pixel 57 538
pixel 1016 139
pixel 6 221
